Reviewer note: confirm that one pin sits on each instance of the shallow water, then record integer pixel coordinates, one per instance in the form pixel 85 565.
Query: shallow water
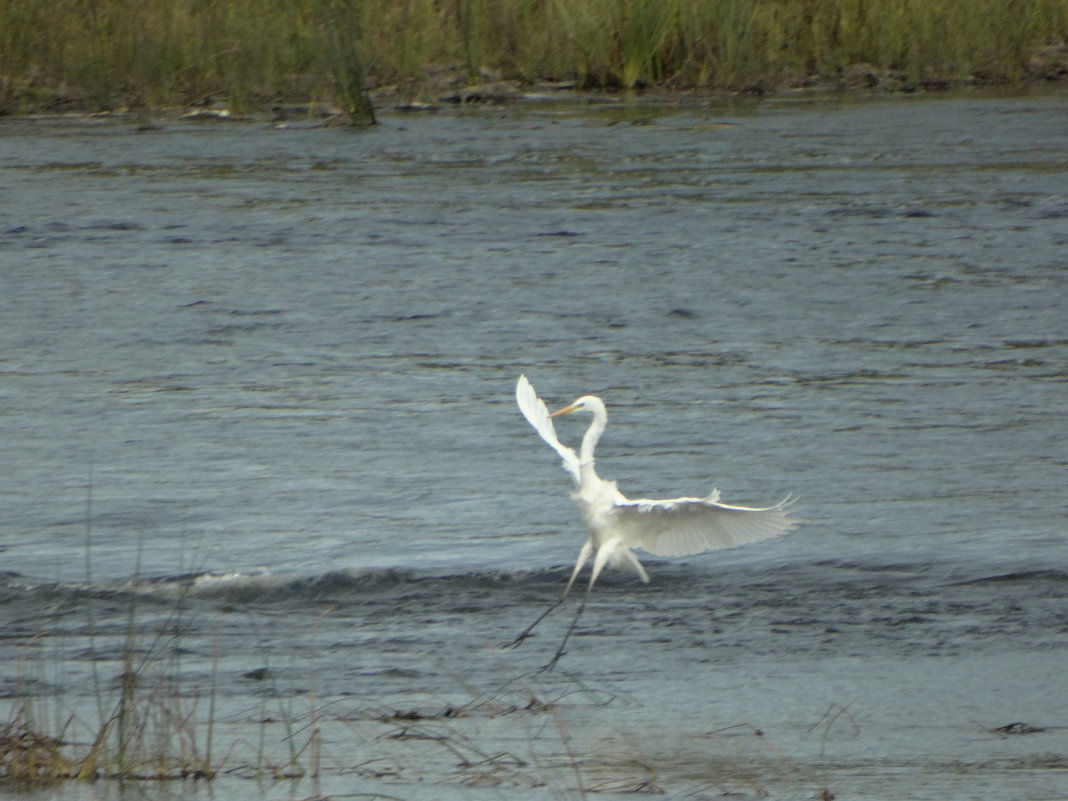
pixel 257 388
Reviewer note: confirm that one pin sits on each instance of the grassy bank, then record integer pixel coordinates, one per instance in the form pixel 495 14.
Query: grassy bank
pixel 113 53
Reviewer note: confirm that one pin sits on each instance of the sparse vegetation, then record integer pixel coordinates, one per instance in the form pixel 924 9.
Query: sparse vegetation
pixel 131 53
pixel 150 726
pixel 157 730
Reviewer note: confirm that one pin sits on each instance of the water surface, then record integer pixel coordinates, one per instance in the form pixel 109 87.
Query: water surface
pixel 259 381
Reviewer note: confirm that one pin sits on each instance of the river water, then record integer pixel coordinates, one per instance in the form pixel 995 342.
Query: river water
pixel 256 390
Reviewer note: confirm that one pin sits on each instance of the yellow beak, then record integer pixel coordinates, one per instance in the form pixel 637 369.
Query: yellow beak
pixel 574 407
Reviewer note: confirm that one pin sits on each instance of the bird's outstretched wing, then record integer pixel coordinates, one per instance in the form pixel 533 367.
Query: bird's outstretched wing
pixel 534 409
pixel 684 526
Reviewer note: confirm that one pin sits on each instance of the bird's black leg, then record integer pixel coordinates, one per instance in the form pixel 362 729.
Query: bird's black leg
pixel 527 631
pixel 570 630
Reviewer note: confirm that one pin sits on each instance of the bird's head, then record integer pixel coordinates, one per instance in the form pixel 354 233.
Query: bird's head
pixel 587 403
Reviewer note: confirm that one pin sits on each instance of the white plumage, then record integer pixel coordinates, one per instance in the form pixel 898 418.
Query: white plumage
pixel 617 524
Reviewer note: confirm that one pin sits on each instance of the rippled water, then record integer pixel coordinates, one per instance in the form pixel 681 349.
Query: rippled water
pixel 264 373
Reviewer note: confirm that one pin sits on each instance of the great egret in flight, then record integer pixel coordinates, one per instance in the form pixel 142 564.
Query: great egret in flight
pixel 617 524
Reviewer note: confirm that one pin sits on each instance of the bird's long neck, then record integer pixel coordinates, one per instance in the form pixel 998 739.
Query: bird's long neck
pixel 592 436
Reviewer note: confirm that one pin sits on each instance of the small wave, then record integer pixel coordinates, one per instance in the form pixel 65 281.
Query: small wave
pixel 264 586
pixel 1019 576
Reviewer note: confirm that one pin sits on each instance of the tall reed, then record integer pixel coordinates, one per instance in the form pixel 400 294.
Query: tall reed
pixel 339 26
pixel 248 52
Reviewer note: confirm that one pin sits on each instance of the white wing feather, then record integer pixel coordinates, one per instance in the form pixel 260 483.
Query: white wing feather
pixel 685 526
pixel 537 414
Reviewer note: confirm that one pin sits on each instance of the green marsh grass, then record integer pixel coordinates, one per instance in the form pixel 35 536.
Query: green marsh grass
pixel 250 53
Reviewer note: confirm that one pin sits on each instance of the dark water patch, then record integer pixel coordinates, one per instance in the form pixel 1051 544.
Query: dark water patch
pixel 114 225
pixel 1035 343
pixel 1029 577
pixel 255 312
pixel 1020 727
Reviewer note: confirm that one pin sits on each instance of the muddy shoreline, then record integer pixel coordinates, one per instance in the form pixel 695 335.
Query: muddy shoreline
pixel 447 88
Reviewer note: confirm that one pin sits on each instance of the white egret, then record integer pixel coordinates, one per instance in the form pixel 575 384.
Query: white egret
pixel 617 524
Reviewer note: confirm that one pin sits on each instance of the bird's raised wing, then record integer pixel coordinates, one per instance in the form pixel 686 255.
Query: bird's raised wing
pixel 534 409
pixel 684 526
